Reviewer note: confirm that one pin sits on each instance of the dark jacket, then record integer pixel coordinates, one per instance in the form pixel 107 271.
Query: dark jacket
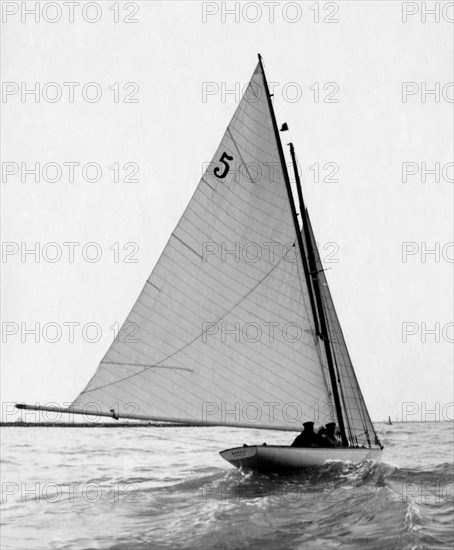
pixel 306 439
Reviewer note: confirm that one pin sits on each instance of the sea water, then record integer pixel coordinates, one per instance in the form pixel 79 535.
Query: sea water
pixel 168 488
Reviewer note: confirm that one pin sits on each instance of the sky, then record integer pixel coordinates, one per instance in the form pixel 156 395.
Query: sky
pixel 366 89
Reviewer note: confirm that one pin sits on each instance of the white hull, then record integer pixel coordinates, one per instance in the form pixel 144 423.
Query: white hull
pixel 278 458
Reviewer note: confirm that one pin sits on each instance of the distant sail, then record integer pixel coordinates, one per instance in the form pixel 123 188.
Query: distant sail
pixel 257 363
pixel 358 425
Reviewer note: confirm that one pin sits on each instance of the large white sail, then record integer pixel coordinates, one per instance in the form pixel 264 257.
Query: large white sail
pixel 358 425
pixel 225 333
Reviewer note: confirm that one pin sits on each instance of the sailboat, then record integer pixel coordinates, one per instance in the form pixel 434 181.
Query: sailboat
pixel 236 323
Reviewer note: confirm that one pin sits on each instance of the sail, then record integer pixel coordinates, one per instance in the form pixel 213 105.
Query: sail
pixel 222 332
pixel 358 425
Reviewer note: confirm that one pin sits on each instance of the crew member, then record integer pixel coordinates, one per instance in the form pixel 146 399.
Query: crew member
pixel 307 438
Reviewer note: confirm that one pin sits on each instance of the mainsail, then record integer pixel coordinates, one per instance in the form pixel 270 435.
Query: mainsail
pixel 225 331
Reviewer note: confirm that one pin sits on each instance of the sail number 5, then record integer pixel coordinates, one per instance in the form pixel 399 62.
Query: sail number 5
pixel 223 159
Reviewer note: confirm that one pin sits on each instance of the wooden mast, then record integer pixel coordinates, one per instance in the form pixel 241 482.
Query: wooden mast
pixel 318 296
pixel 289 192
pixel 313 270
pixel 290 196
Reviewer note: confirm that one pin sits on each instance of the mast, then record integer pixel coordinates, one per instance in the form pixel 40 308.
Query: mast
pixel 292 203
pixel 318 296
pixel 290 196
pixel 312 267
pixel 310 270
